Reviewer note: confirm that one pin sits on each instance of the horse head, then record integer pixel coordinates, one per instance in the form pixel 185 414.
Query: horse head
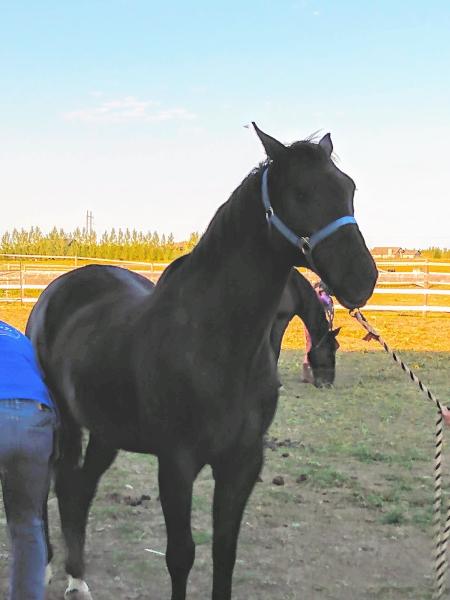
pixel 322 358
pixel 309 201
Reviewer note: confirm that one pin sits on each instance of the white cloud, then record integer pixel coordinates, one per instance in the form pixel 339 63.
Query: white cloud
pixel 128 108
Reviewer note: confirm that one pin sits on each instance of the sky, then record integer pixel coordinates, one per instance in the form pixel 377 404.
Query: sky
pixel 135 109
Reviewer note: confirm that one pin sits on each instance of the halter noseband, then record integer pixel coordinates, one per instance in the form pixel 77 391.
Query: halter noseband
pixel 304 243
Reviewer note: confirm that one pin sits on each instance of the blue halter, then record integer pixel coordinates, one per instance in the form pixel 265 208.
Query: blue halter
pixel 304 243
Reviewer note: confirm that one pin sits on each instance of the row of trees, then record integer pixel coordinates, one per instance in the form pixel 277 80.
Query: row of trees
pixel 114 244
pixel 435 252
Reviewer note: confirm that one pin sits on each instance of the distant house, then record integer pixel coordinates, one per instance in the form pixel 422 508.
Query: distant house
pixel 395 252
pixel 387 252
pixel 406 253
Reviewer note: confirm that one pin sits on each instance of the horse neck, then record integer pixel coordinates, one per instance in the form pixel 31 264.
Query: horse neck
pixel 310 310
pixel 239 271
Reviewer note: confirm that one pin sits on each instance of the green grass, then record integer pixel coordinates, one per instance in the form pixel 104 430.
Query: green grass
pixel 322 475
pixel 366 454
pixel 202 537
pixel 394 517
pixel 371 438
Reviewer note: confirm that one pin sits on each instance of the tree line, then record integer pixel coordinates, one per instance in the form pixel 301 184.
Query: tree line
pixel 117 244
pixel 435 252
pixel 114 244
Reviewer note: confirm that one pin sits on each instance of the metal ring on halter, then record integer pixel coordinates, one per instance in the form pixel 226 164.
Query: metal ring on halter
pixel 269 214
pixel 305 246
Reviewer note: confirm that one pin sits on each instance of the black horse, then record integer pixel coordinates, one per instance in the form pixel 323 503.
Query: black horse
pixel 185 370
pixel 299 298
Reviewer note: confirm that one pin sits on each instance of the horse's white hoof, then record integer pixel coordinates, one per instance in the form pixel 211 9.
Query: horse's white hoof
pixel 48 574
pixel 77 589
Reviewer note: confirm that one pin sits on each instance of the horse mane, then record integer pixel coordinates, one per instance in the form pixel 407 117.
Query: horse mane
pixel 232 210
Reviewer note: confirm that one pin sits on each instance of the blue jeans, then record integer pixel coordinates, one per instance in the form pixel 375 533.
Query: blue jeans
pixel 26 447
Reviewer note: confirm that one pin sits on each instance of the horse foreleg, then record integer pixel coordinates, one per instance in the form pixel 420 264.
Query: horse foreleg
pixel 235 476
pixel 75 488
pixel 176 477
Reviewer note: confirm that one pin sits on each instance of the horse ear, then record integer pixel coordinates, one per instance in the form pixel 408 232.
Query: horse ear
pixel 274 149
pixel 327 144
pixel 334 333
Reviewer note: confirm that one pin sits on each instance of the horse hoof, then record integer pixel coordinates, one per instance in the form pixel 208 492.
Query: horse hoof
pixel 77 589
pixel 77 595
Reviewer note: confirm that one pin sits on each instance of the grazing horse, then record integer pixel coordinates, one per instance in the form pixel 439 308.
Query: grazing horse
pixel 185 370
pixel 299 298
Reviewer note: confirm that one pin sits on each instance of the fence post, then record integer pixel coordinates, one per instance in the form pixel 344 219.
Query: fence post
pixel 427 284
pixel 21 281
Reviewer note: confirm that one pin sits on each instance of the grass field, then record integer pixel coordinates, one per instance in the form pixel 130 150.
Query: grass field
pixel 352 519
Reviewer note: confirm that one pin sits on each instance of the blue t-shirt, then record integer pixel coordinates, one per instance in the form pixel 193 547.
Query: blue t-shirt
pixel 20 376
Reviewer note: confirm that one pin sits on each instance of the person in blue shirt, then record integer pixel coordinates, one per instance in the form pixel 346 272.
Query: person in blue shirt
pixel 27 427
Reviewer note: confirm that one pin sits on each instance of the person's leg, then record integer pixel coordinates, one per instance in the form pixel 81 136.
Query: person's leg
pixel 25 487
pixel 307 375
pixel 6 436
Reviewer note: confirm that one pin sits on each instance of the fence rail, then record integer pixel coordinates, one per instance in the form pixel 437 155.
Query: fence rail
pixel 411 263
pixel 402 291
pixel 75 258
pixel 21 275
pixel 425 308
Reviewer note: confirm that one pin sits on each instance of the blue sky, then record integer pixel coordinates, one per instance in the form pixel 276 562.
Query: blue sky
pixel 135 109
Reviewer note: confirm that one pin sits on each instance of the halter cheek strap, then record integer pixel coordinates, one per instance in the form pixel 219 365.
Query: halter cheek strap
pixel 304 243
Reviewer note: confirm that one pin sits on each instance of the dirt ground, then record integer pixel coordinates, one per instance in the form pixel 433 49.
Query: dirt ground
pixel 352 519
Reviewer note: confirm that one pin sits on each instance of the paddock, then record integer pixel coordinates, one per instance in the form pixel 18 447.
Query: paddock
pixel 353 518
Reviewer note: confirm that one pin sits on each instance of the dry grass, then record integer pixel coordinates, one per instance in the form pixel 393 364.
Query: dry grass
pixel 417 299
pixel 401 331
pixel 15 314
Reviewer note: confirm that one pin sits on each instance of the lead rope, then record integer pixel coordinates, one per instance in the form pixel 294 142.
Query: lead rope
pixel 442 531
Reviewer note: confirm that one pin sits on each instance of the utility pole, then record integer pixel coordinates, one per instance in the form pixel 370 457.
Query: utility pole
pixel 89 222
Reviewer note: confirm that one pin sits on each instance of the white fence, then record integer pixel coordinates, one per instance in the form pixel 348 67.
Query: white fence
pixel 21 275
pixel 424 308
